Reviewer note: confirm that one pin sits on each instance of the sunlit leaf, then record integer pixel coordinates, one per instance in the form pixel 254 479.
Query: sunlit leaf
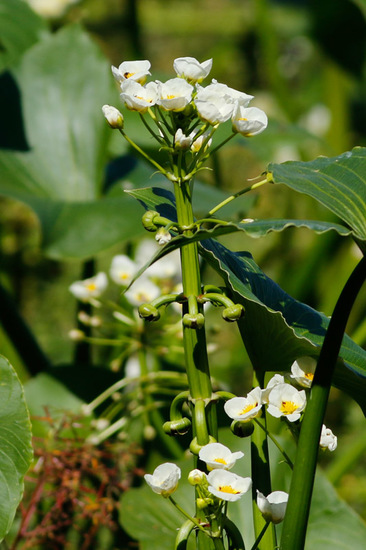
pixel 339 183
pixel 15 444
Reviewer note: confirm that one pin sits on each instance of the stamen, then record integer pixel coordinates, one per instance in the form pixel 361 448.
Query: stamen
pixel 220 461
pixel 288 407
pixel 228 489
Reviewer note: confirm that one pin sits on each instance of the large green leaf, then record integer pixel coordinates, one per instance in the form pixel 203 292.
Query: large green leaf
pixel 20 28
pixel 15 444
pixel 64 81
pixel 276 328
pixel 339 183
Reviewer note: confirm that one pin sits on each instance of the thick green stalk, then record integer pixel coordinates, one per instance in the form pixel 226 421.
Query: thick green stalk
pixel 296 519
pixel 194 339
pixel 261 477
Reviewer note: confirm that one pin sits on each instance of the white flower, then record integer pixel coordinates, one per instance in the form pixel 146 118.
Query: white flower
pixel 190 69
pixel 113 116
pixel 273 507
pixel 276 379
pixel 285 400
pixel 122 269
pixel 51 8
pixel 217 456
pixel 198 142
pixel 142 291
pixel 164 480
pixel 132 367
pixel 302 371
pixel 89 288
pixel 212 105
pixel 227 486
pixel 249 121
pixel 174 94
pixel 181 141
pixel 166 267
pixel 133 70
pixel 245 408
pixel 327 439
pixel 138 98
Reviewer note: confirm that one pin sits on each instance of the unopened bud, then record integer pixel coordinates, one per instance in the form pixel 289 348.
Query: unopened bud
pixel 242 429
pixel 195 321
pixel 149 433
pixel 195 477
pixel 163 236
pixel 233 313
pixel 148 220
pixel 76 335
pixel 113 117
pixel 149 312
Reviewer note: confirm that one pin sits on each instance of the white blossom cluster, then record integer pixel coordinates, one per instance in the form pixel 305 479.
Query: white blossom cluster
pixel 219 484
pixel 213 104
pixel 122 271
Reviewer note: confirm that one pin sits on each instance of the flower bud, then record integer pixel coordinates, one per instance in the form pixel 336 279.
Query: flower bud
pixel 148 220
pixel 177 427
pixel 162 236
pixel 195 477
pixel 149 312
pixel 113 117
pixel 195 321
pixel 242 429
pixel 233 313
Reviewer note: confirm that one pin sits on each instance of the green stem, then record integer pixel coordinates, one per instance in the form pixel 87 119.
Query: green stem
pixel 261 476
pixel 185 514
pixel 260 536
pixel 274 440
pixel 235 196
pixel 194 340
pixel 146 156
pixel 296 519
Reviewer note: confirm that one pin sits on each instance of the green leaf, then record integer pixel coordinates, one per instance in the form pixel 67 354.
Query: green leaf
pixel 339 183
pixel 20 28
pixel 64 81
pixel 15 444
pixel 276 328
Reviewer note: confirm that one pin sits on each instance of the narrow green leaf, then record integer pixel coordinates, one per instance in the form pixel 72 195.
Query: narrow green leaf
pixel 339 183
pixel 15 444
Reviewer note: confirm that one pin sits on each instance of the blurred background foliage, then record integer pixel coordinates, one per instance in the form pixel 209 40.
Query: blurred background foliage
pixel 304 61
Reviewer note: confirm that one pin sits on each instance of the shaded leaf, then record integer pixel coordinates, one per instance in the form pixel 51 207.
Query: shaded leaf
pixel 15 444
pixel 339 183
pixel 276 328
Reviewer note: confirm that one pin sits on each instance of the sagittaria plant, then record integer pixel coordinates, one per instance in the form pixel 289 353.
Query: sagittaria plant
pixel 182 116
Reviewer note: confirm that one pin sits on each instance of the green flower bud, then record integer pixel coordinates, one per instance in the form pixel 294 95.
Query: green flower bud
pixel 149 312
pixel 233 313
pixel 203 503
pixel 177 427
pixel 148 220
pixel 196 477
pixel 193 321
pixel 242 429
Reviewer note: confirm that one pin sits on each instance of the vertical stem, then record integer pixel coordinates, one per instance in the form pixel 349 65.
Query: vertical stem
pixel 261 476
pixel 296 519
pixel 195 349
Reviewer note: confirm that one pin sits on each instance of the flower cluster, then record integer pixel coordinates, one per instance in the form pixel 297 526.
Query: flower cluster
pixel 219 485
pixel 158 278
pixel 203 107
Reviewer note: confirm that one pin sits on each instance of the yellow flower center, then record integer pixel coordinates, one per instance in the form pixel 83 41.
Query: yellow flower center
pixel 228 489
pixel 123 276
pixel 245 119
pixel 91 287
pixel 128 75
pixel 220 461
pixel 288 407
pixel 309 375
pixel 171 96
pixel 248 408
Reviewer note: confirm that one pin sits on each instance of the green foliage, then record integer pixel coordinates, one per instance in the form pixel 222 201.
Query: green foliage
pixel 15 438
pixel 338 183
pixel 15 38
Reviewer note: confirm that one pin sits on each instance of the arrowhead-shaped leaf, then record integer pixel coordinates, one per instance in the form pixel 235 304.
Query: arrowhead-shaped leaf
pixel 339 183
pixel 15 444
